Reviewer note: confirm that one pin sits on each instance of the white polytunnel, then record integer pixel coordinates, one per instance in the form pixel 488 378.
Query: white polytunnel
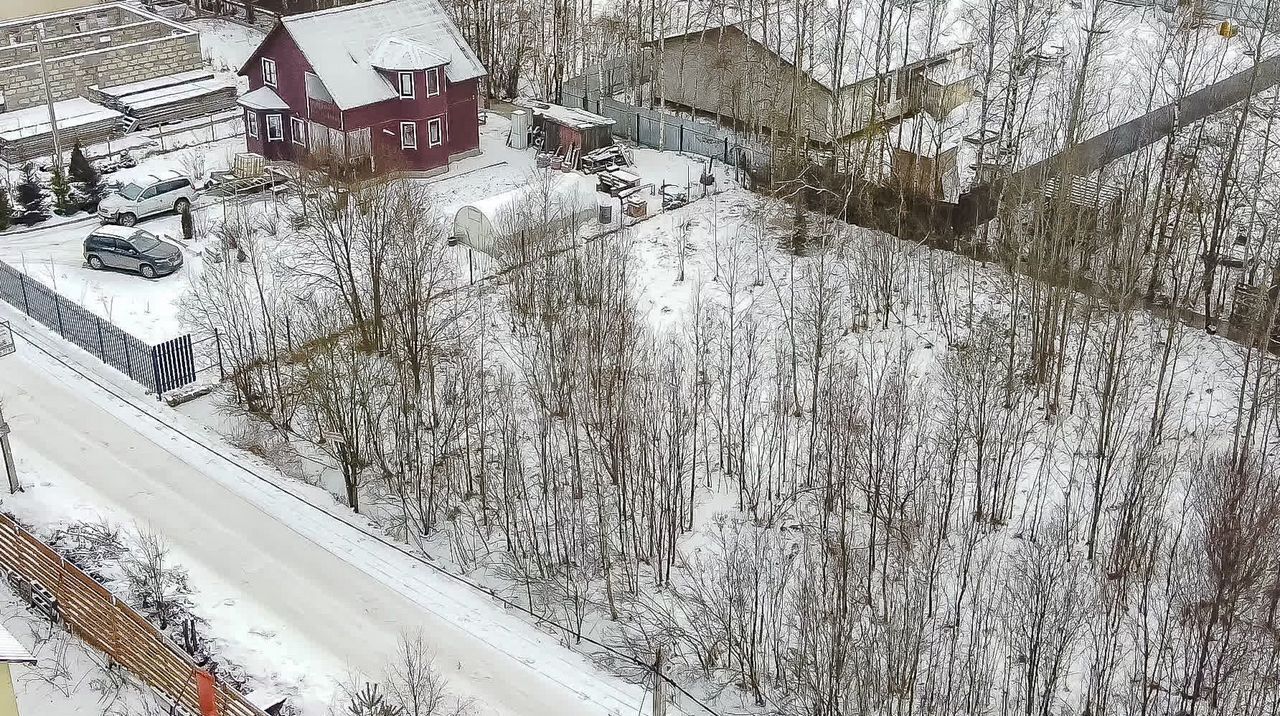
pixel 557 201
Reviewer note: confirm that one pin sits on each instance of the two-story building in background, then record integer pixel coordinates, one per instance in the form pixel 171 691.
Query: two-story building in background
pixel 385 85
pixel 845 69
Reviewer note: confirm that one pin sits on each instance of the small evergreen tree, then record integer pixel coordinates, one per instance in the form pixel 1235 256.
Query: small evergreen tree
pixel 63 201
pixel 188 227
pixel 87 179
pixel 31 197
pixel 6 207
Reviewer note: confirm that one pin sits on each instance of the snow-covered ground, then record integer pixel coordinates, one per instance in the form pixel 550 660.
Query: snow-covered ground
pixel 226 45
pixel 53 253
pixel 295 592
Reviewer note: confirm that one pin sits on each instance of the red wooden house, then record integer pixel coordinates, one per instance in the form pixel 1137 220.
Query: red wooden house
pixel 383 85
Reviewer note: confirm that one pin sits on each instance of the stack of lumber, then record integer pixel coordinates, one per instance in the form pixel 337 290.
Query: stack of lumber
pixel 616 181
pixel 27 133
pixel 604 159
pixel 171 98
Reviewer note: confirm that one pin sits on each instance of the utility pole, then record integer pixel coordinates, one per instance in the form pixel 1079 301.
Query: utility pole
pixel 7 347
pixel 48 96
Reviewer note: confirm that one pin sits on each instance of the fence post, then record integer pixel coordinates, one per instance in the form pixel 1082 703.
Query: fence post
pixel 638 128
pixel 682 136
pixel 217 342
pixel 57 306
pixel 128 358
pixel 725 158
pixel 102 347
pixel 26 305
pixel 155 373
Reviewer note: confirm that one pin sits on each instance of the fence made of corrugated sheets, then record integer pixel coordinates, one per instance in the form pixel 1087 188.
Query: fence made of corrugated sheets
pixel 68 596
pixel 158 368
pixel 593 92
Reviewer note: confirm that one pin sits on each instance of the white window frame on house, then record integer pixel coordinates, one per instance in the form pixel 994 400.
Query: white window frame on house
pixel 433 80
pixel 269 77
pixel 436 138
pixel 400 80
pixel 413 129
pixel 278 134
pixel 298 128
pixel 251 123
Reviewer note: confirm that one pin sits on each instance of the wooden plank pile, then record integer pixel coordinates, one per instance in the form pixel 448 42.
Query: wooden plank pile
pixel 171 98
pixel 605 158
pixel 616 181
pixel 27 134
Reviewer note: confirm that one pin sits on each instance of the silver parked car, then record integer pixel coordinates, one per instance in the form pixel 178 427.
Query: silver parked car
pixel 156 194
pixel 129 249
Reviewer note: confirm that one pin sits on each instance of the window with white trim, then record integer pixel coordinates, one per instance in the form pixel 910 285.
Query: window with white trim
pixel 435 132
pixel 408 135
pixel 275 128
pixel 298 129
pixel 251 123
pixel 268 72
pixel 406 85
pixel 433 82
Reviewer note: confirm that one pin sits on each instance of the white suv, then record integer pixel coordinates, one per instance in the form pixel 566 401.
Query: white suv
pixel 155 194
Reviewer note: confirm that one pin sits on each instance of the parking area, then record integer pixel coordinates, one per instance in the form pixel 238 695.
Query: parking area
pixel 53 253
pixel 148 309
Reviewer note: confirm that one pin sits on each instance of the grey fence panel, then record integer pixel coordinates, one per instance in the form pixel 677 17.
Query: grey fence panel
pixel 11 286
pixel 115 346
pixel 626 119
pixel 654 132
pixel 660 130
pixel 705 141
pixel 79 325
pixel 121 350
pixel 41 303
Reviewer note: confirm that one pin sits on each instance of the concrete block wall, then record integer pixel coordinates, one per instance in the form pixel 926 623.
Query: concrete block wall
pixel 116 46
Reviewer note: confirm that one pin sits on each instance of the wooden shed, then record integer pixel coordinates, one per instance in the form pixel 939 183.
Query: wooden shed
pixel 563 127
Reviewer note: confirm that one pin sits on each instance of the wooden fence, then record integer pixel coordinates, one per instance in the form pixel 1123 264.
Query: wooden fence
pixel 88 610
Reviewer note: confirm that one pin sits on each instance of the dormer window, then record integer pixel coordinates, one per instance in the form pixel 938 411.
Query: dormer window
pixel 268 72
pixel 406 85
pixel 433 82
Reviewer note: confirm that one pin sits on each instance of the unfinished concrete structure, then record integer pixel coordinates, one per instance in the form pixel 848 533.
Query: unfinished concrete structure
pixel 109 44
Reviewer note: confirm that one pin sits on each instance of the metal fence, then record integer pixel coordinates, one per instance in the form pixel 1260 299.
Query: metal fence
pixel 659 130
pixel 67 596
pixel 159 368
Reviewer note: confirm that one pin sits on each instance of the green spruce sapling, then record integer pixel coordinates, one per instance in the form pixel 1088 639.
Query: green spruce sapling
pixel 31 197
pixel 64 202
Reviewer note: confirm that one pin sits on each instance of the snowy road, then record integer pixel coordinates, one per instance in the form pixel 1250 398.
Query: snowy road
pixel 332 588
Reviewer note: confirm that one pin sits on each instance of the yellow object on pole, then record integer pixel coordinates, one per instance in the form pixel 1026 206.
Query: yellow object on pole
pixel 1227 30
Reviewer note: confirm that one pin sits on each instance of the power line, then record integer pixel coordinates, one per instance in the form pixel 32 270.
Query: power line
pixel 129 400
